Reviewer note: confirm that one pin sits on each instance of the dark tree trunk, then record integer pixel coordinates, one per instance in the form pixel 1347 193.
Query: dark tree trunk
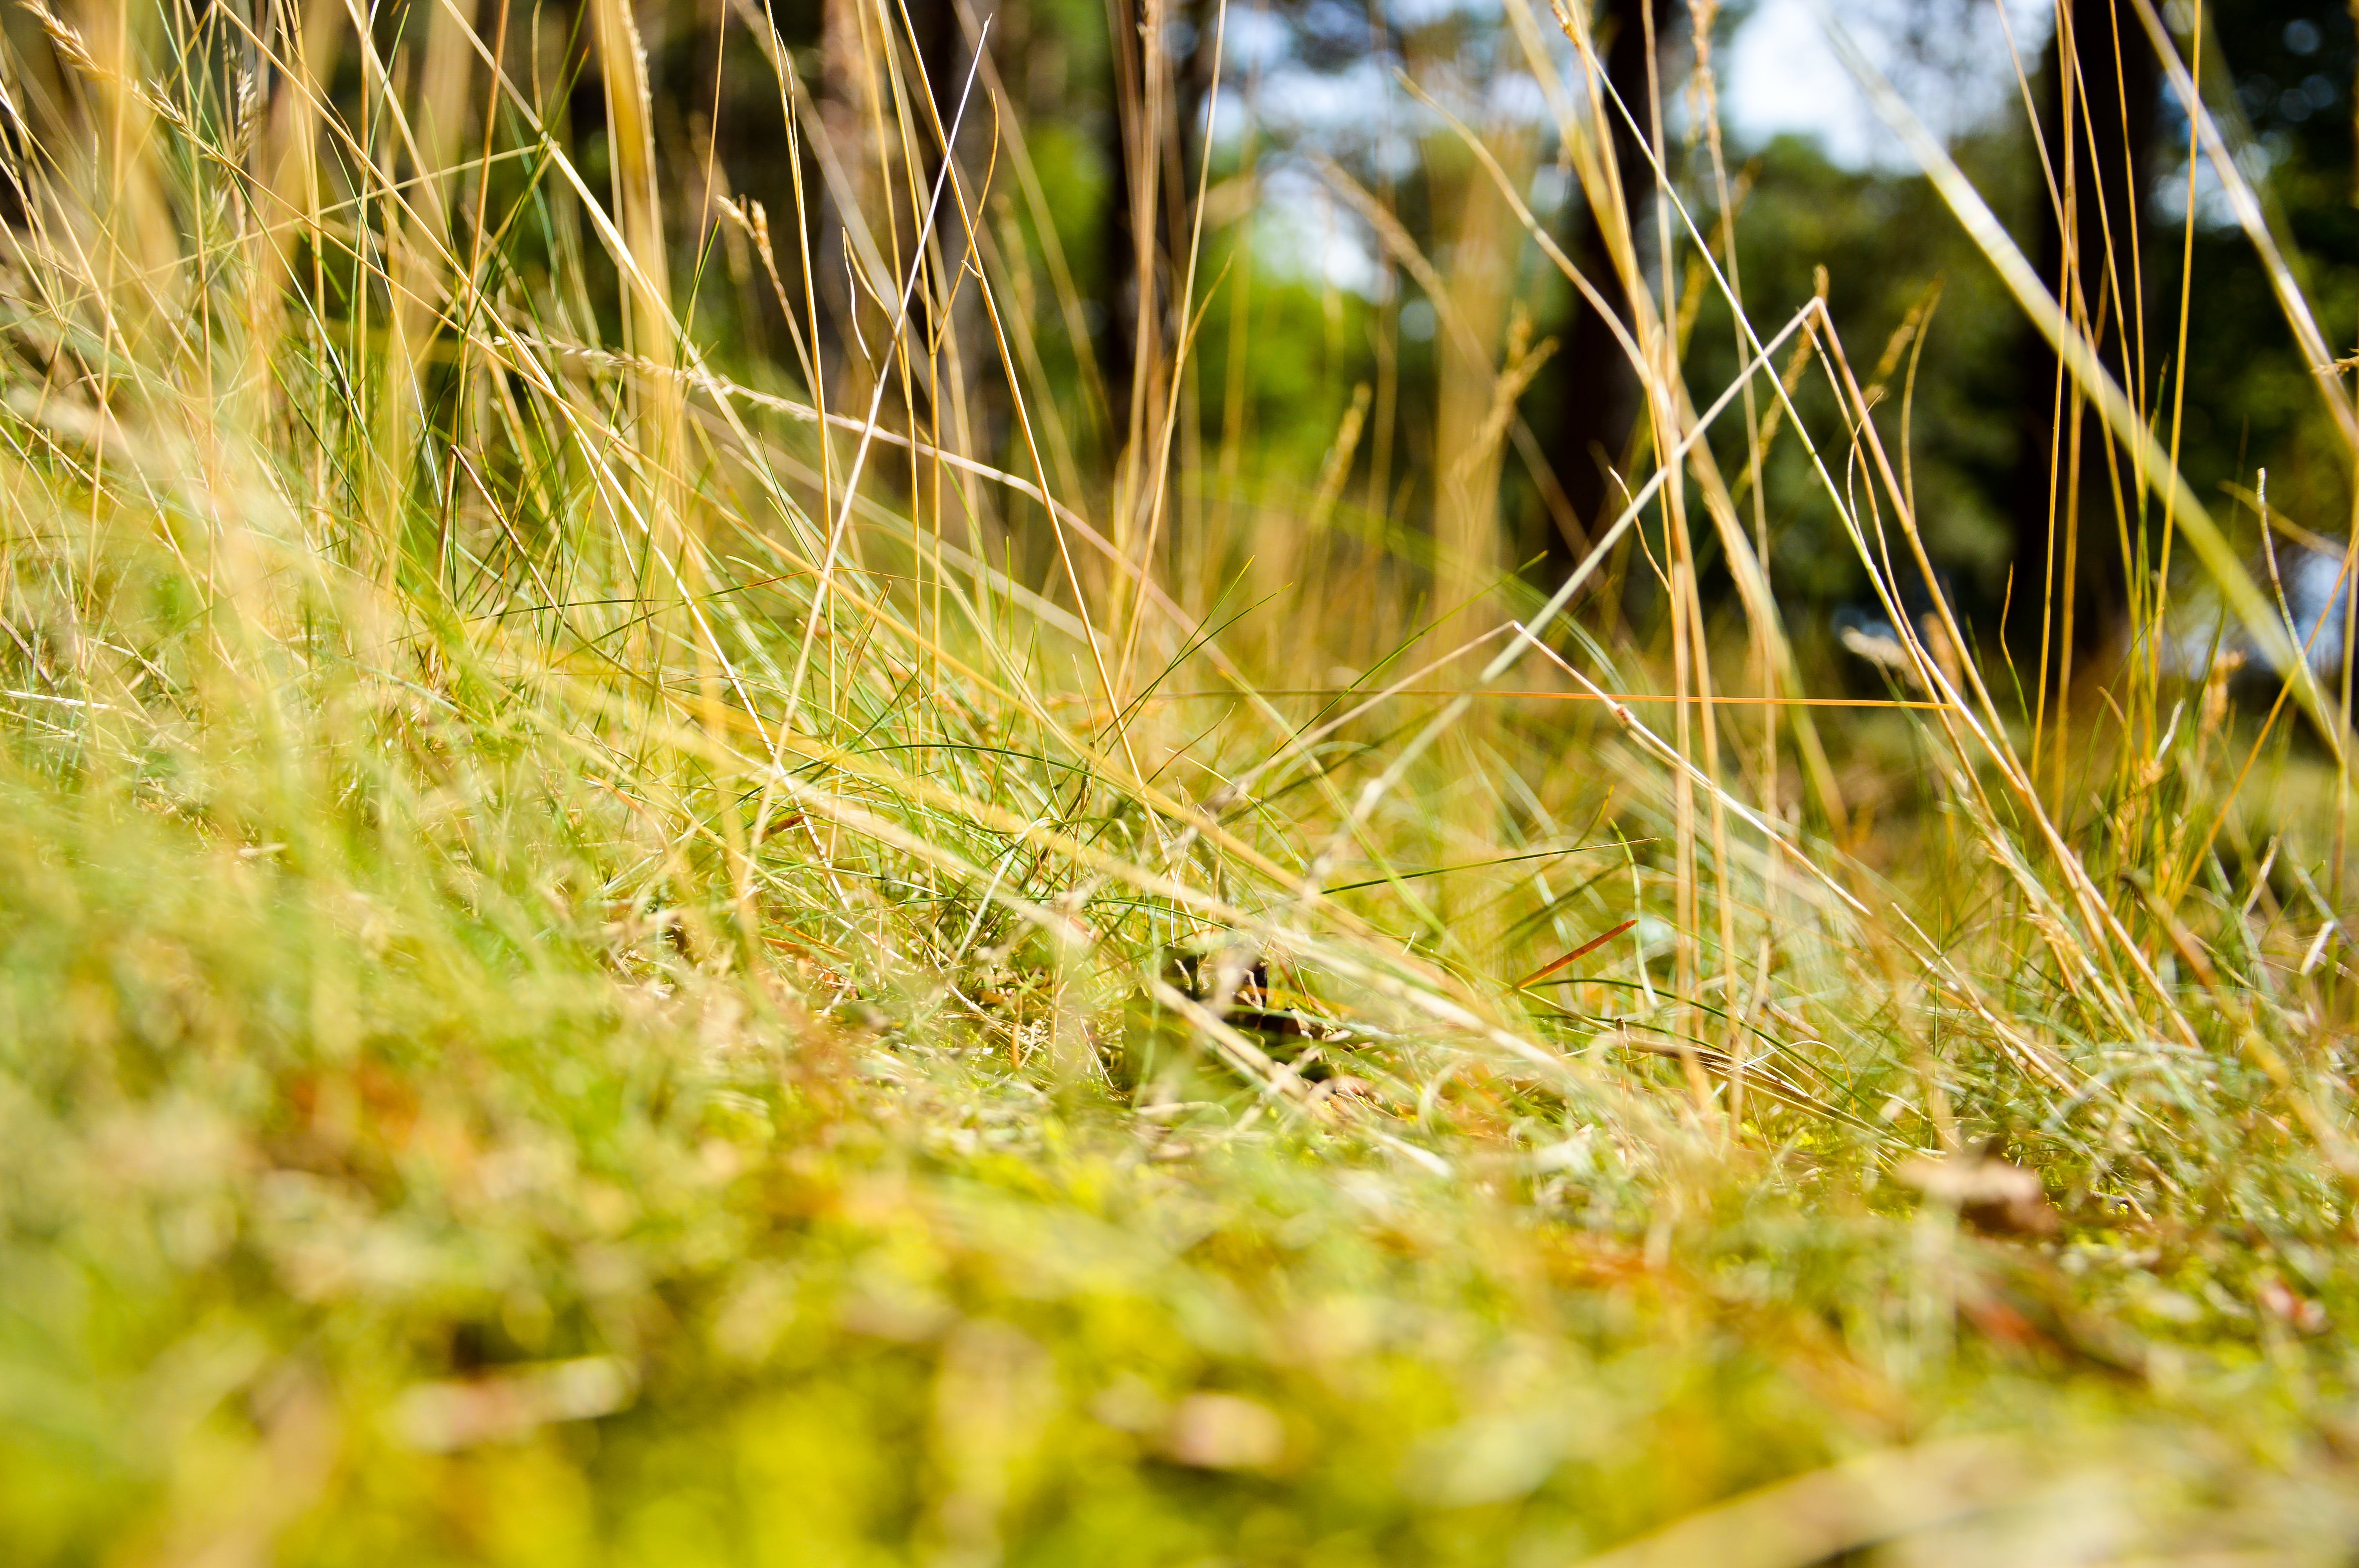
pixel 847 110
pixel 2068 539
pixel 942 52
pixel 1598 401
pixel 944 57
pixel 1118 346
pixel 1157 111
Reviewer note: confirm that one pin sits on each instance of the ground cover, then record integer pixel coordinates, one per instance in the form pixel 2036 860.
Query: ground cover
pixel 587 975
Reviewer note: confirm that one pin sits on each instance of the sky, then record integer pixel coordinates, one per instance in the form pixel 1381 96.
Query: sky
pixel 1777 73
pixel 1778 76
pixel 1781 76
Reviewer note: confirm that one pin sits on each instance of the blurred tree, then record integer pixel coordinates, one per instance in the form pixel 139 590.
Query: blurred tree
pixel 2074 512
pixel 1597 388
pixel 1127 291
pixel 852 111
pixel 2278 74
pixel 1162 59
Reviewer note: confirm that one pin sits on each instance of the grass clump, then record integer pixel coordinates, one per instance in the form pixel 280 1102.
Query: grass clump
pixel 607 955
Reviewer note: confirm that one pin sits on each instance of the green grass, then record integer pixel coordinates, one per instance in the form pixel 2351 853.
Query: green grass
pixel 530 1033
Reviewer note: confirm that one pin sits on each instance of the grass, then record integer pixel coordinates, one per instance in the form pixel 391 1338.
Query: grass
pixel 613 955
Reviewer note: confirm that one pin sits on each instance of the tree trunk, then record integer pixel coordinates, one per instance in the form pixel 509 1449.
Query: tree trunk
pixel 851 108
pixel 2073 504
pixel 1599 394
pixel 962 415
pixel 1133 309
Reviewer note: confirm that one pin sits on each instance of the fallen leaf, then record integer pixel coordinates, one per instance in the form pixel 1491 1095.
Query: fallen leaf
pixel 1224 1431
pixel 1988 1192
pixel 442 1417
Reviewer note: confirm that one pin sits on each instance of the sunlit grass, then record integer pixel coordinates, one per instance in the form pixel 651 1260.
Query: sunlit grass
pixel 617 954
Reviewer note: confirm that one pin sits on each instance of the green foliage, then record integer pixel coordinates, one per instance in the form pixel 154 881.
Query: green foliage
pixel 569 994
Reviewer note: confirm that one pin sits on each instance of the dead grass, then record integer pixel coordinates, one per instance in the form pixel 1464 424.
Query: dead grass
pixel 604 962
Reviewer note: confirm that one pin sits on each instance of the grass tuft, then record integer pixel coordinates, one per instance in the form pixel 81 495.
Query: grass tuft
pixel 616 946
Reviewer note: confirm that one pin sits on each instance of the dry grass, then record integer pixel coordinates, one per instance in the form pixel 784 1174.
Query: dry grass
pixel 607 962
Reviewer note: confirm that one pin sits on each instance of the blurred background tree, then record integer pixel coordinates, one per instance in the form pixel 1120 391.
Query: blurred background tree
pixel 1362 295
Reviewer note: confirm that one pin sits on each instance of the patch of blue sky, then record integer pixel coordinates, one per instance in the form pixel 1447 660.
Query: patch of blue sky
pixel 1961 63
